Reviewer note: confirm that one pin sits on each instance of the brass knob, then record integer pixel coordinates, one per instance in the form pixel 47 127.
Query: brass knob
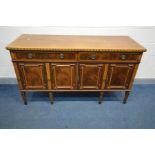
pixel 61 56
pixel 93 57
pixel 30 55
pixel 123 57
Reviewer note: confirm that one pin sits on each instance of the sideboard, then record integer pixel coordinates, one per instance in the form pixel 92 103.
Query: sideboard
pixel 72 63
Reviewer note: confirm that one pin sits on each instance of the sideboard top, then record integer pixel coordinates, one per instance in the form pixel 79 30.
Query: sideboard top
pixel 75 43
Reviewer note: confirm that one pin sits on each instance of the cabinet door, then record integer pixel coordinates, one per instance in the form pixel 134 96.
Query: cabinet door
pixel 64 76
pixel 119 76
pixel 90 76
pixel 33 75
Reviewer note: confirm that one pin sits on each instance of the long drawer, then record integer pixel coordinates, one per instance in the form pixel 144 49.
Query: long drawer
pixel 56 56
pixel 103 56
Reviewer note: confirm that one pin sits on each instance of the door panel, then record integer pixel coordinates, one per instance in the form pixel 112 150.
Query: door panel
pixel 33 75
pixel 90 76
pixel 119 76
pixel 64 76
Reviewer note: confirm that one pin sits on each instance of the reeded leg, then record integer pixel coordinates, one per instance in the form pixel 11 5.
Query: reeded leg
pixel 51 97
pixel 100 98
pixel 23 94
pixel 126 96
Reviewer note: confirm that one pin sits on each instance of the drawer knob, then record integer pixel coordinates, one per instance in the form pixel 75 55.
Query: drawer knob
pixel 123 57
pixel 93 57
pixel 30 55
pixel 61 56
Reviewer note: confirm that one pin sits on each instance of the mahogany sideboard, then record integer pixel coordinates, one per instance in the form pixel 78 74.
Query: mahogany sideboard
pixel 67 63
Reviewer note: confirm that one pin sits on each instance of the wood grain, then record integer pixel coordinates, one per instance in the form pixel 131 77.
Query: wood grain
pixel 75 43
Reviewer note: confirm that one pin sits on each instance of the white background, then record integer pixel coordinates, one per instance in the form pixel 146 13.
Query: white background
pixel 144 35
pixel 79 13
pixel 77 142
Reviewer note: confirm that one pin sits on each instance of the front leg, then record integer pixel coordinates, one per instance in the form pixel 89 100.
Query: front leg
pixel 51 97
pixel 23 94
pixel 101 97
pixel 126 97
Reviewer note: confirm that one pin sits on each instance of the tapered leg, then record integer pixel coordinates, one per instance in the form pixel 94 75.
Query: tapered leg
pixel 126 96
pixel 23 94
pixel 100 98
pixel 51 97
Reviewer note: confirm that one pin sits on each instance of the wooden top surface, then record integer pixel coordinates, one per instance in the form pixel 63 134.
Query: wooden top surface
pixel 75 43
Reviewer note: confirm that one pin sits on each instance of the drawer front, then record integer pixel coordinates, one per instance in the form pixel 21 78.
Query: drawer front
pixel 98 56
pixel 58 56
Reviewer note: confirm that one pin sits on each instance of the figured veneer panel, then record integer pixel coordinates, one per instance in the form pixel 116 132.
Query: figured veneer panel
pixel 64 76
pixel 90 76
pixel 33 75
pixel 119 76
